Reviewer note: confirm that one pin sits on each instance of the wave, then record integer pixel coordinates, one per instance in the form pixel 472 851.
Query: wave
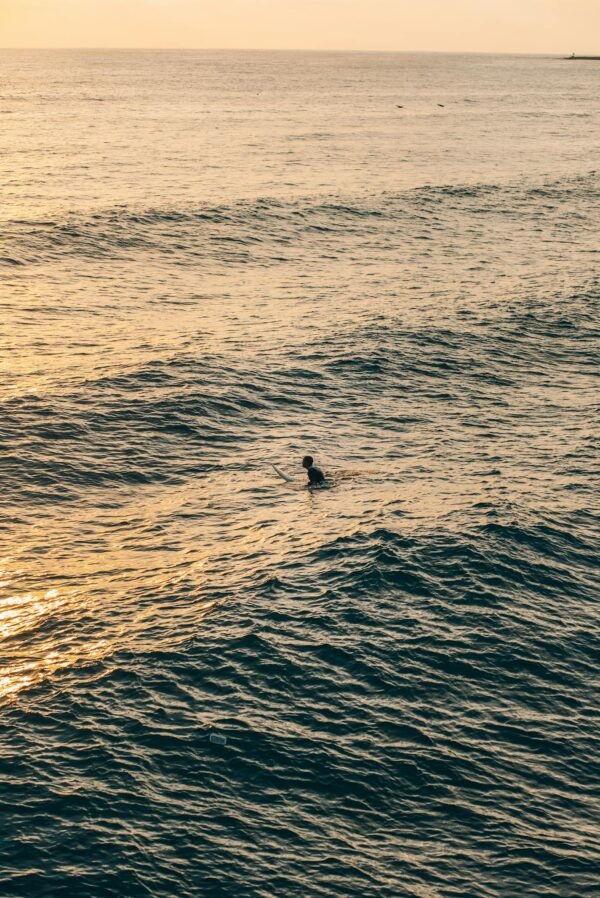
pixel 393 680
pixel 147 424
pixel 264 230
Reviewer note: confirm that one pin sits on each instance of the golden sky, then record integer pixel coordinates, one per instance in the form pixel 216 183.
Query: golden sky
pixel 525 26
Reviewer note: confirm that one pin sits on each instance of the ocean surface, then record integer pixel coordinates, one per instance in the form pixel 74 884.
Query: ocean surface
pixel 215 261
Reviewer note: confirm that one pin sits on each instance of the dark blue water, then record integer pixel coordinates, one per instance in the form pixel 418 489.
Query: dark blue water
pixel 215 262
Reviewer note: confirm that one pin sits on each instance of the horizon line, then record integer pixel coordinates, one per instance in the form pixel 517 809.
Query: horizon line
pixel 299 50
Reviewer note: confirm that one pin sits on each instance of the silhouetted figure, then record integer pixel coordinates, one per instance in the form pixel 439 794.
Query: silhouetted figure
pixel 315 475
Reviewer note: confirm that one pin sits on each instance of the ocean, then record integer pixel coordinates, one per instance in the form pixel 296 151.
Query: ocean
pixel 217 683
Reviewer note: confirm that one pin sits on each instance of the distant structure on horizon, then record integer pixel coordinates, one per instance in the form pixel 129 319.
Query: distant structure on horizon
pixel 572 56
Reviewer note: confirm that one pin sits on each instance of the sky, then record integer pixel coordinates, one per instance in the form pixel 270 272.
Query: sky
pixel 511 26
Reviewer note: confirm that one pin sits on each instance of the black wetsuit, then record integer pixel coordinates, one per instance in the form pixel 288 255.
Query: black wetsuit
pixel 315 475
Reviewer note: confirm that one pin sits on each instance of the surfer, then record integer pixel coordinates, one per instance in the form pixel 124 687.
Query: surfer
pixel 315 475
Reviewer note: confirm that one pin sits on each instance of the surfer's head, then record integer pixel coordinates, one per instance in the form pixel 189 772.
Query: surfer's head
pixel 307 461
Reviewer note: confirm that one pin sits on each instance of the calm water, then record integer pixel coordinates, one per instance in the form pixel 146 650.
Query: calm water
pixel 215 261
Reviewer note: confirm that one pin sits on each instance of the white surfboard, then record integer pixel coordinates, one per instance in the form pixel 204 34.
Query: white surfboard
pixel 282 474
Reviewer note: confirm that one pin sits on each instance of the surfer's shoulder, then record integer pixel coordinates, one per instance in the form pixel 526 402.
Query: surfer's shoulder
pixel 315 475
